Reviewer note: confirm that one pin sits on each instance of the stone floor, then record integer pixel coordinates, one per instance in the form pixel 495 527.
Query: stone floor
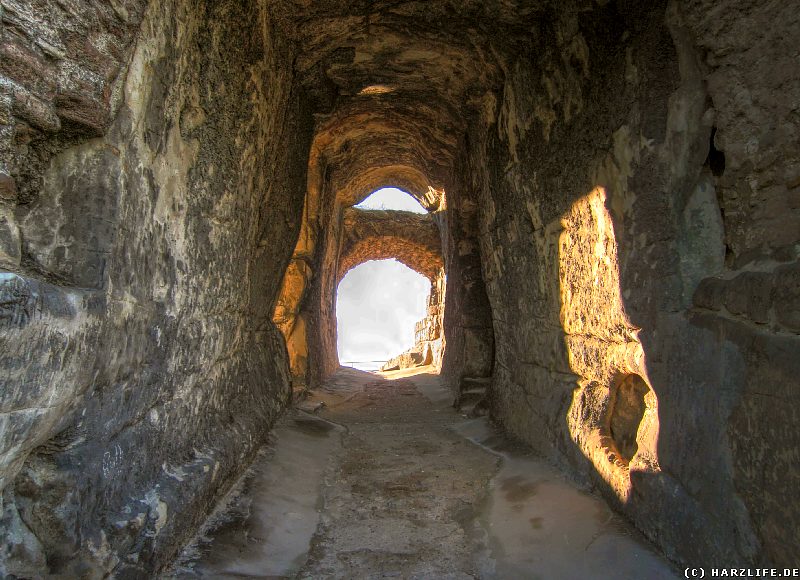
pixel 381 478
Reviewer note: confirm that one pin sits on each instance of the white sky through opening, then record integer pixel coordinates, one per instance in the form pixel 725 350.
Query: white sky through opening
pixel 391 198
pixel 377 305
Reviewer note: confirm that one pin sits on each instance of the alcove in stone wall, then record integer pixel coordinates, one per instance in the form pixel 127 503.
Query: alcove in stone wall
pixel 627 411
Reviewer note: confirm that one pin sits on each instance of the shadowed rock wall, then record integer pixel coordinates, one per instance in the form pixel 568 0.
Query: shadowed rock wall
pixel 623 253
pixel 141 370
pixel 468 333
pixel 746 317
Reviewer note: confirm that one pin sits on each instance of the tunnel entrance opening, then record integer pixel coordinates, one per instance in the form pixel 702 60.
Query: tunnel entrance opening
pixel 391 198
pixel 378 304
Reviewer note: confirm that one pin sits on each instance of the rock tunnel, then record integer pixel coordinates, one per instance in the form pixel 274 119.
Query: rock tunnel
pixel 613 193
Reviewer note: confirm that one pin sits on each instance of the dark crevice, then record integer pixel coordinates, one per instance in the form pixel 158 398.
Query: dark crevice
pixel 716 158
pixel 715 161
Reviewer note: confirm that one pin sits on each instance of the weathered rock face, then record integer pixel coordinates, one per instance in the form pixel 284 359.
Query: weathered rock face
pixel 140 369
pixel 618 187
pixel 613 193
pixel 411 238
pixel 429 342
pixel 59 82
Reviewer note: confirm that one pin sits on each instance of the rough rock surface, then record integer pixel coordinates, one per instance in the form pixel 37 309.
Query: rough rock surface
pixel 140 369
pixel 429 341
pixel 617 246
pixel 412 239
pixel 616 190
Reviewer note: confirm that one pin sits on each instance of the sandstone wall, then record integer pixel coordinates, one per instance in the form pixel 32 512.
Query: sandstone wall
pixel 59 84
pixel 322 316
pixel 140 365
pixel 428 346
pixel 411 238
pixel 467 324
pixel 616 186
pixel 639 249
pixel 748 314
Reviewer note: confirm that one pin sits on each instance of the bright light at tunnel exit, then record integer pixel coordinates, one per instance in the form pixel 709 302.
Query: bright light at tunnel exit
pixel 377 305
pixel 391 198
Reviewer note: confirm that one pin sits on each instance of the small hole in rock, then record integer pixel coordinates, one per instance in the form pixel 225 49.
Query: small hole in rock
pixel 716 158
pixel 627 413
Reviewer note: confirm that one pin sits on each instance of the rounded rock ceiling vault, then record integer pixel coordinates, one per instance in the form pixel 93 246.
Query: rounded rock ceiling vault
pixel 371 143
pixel 408 179
pixel 395 83
pixel 416 256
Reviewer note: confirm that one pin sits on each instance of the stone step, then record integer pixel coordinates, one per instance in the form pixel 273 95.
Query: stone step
pixel 473 409
pixel 467 399
pixel 472 400
pixel 475 382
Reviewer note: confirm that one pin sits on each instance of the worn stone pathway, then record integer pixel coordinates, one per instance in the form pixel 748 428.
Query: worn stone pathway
pixel 386 480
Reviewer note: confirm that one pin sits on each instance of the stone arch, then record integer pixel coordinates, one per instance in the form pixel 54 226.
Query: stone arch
pixel 412 239
pixel 407 178
pixel 373 142
pixel 418 257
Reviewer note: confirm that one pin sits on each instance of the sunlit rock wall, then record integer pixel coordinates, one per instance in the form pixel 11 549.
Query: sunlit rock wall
pixel 322 298
pixel 295 312
pixel 139 363
pixel 428 348
pixel 643 283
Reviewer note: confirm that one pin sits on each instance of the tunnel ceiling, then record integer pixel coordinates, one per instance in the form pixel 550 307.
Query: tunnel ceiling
pixel 395 82
pixel 390 134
